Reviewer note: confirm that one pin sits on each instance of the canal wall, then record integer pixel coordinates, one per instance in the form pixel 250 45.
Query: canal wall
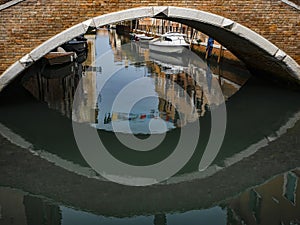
pixel 225 54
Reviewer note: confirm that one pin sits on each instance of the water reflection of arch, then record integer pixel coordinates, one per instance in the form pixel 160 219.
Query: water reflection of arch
pixel 180 197
pixel 18 207
pixel 252 206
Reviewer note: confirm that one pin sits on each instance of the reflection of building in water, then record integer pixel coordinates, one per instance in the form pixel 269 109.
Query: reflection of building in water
pixel 160 219
pixel 12 208
pixel 56 91
pixel 136 52
pixel 19 209
pixel 179 91
pixel 125 50
pixel 56 85
pixel 114 39
pixel 168 70
pixel 88 88
pixel 276 202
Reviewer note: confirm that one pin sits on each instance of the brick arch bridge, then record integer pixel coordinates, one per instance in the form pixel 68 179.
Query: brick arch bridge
pixel 262 33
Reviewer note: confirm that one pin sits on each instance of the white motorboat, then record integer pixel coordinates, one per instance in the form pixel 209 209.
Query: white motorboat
pixel 169 43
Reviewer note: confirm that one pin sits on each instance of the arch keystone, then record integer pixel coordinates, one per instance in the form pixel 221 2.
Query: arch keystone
pixel 88 23
pixel 160 10
pixel 196 15
pixel 227 23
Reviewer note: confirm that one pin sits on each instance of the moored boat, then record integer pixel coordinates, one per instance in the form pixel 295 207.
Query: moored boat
pixel 75 46
pixel 82 56
pixel 169 43
pixel 57 58
pixel 140 37
pixel 78 45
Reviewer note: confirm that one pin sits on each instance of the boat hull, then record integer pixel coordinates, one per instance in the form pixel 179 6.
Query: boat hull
pixel 75 46
pixel 166 48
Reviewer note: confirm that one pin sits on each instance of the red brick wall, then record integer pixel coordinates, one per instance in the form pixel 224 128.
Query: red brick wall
pixel 29 23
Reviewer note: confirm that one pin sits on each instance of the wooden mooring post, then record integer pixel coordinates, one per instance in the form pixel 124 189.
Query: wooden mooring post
pixel 220 54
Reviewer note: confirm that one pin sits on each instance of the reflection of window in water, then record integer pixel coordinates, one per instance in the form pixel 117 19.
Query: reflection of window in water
pixel 160 219
pixel 40 212
pixel 290 186
pixel 255 203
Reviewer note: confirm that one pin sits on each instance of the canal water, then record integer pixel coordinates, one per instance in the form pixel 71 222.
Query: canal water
pixel 38 109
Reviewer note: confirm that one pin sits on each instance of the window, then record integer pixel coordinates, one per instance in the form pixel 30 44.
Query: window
pixel 290 187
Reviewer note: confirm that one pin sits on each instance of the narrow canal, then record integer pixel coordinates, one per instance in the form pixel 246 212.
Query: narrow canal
pixel 48 180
